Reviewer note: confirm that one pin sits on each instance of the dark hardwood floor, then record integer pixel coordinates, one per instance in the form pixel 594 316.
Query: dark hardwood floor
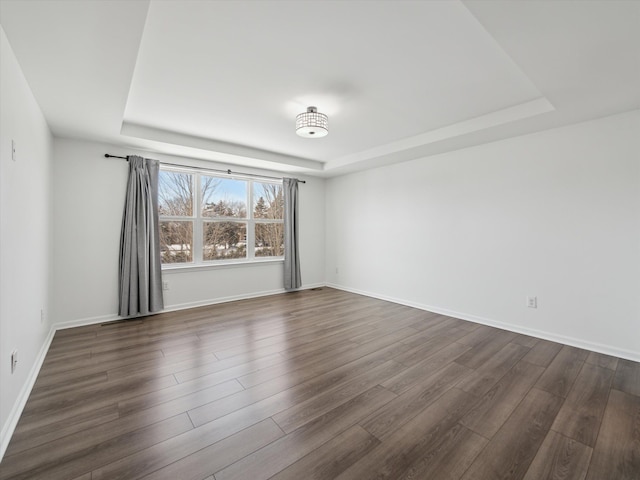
pixel 323 384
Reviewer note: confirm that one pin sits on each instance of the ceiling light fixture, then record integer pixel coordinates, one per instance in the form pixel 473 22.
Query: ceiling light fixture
pixel 312 124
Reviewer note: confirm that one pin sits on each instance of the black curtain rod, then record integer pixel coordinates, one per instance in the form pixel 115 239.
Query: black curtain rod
pixel 228 171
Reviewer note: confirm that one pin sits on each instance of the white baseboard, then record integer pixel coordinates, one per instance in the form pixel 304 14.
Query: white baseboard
pixel 231 298
pixel 574 342
pixel 14 415
pixel 81 322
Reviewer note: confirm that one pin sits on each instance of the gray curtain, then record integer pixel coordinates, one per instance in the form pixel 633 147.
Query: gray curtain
pixel 292 278
pixel 140 268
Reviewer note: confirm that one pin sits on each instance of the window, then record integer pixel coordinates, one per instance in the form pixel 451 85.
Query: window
pixel 209 219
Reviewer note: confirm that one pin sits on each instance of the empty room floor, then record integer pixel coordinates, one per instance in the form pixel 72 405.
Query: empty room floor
pixel 323 384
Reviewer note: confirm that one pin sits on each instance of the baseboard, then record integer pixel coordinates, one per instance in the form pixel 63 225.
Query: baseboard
pixel 81 322
pixel 231 298
pixel 12 420
pixel 574 342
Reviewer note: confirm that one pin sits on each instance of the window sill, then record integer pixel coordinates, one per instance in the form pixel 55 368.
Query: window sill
pixel 173 268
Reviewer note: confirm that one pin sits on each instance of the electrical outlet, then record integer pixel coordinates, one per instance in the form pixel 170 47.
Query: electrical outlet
pixel 165 285
pixel 337 271
pixel 13 150
pixel 532 302
pixel 42 315
pixel 14 360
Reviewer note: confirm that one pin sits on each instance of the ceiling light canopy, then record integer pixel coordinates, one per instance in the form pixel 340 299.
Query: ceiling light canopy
pixel 312 124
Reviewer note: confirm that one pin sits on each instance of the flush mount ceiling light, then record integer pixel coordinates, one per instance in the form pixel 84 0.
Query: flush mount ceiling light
pixel 312 124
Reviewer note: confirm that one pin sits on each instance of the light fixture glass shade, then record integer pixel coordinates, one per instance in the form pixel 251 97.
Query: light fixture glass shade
pixel 312 124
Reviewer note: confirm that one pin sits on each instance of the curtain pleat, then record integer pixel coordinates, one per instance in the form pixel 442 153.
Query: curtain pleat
pixel 292 277
pixel 140 278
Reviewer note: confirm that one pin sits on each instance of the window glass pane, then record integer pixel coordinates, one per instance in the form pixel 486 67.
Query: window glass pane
pixel 224 240
pixel 269 240
pixel 175 193
pixel 223 197
pixel 268 201
pixel 176 242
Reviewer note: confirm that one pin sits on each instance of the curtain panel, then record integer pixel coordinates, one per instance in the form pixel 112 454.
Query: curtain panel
pixel 140 278
pixel 292 278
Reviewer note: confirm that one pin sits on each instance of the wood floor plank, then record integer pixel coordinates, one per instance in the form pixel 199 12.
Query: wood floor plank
pixel 424 349
pixel 320 343
pixel 76 459
pixel 478 336
pixel 525 340
pixel 227 376
pixel 627 378
pixel 86 476
pixel 288 390
pixel 282 453
pixel 617 451
pixel 201 391
pixel 250 364
pixel 483 378
pixel 512 449
pixel 581 414
pixel 560 458
pixel 562 371
pixel 64 362
pixel 60 374
pixel 301 378
pixel 93 392
pixel 148 460
pixel 602 360
pixel 331 458
pixel 162 366
pixel 413 375
pixel 301 363
pixel 29 435
pixel 496 405
pixel 443 325
pixel 415 440
pixel 304 412
pixel 480 353
pixel 70 445
pixel 448 458
pixel 69 385
pixel 220 454
pixel 403 409
pixel 67 406
pixel 380 331
pixel 543 353
pixel 282 391
pixel 429 321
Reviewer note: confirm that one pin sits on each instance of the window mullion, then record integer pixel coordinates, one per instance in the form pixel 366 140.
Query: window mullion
pixel 251 231
pixel 198 256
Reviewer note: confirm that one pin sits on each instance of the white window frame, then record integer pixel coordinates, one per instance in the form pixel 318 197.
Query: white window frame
pixel 198 221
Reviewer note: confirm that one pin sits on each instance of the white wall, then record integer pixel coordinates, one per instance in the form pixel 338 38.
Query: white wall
pixel 25 237
pixel 472 233
pixel 89 195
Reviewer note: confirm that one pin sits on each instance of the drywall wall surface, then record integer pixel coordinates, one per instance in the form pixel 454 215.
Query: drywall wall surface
pixel 25 236
pixel 553 215
pixel 89 192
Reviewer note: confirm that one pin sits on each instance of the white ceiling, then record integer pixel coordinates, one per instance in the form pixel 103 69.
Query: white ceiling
pixel 224 80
